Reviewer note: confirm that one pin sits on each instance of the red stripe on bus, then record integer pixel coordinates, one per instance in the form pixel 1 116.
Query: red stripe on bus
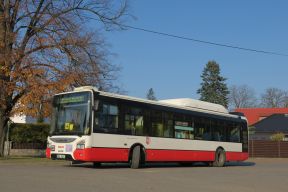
pixel 121 155
pixel 101 154
pixel 236 156
pixel 177 155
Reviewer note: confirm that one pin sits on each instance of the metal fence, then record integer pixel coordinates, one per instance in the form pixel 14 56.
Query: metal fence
pixel 261 148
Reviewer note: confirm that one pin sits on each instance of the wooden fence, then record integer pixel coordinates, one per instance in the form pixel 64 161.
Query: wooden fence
pixel 277 149
pixel 257 148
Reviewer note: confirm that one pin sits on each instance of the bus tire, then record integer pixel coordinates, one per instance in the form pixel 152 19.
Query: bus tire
pixel 136 157
pixel 220 158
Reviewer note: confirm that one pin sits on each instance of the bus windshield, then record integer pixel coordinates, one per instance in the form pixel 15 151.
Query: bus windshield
pixel 71 114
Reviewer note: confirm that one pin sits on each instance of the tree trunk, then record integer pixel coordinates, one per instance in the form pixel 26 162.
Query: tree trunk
pixel 5 51
pixel 3 129
pixel 2 31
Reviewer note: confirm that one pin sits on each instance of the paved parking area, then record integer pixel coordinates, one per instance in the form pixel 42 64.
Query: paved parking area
pixel 26 175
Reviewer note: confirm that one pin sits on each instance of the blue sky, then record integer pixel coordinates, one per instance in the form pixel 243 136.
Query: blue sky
pixel 172 67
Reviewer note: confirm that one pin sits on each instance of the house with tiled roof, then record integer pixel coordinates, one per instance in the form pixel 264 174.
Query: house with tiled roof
pixel 264 129
pixel 266 121
pixel 254 115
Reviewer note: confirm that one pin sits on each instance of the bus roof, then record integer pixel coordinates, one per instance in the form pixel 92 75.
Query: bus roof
pixel 193 103
pixel 180 103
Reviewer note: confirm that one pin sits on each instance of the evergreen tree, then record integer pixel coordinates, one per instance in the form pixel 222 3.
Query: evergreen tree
pixel 213 87
pixel 151 95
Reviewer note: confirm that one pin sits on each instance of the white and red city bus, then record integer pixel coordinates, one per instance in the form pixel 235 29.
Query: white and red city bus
pixel 94 126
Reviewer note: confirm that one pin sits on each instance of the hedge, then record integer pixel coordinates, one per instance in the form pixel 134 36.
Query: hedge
pixel 29 133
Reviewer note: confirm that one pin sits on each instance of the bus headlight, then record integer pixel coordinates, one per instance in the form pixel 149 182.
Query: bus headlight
pixel 50 146
pixel 80 145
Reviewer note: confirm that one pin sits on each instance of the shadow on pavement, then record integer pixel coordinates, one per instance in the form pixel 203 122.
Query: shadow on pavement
pixel 240 164
pixel 159 165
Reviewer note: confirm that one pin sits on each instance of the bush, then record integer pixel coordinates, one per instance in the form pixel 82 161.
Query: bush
pixel 29 133
pixel 251 130
pixel 278 137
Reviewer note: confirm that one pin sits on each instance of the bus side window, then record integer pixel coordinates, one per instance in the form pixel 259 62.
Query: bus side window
pixel 233 132
pixel 106 119
pixel 134 121
pixel 244 137
pixel 157 124
pixel 202 129
pixel 168 125
pixel 184 129
pixel 218 130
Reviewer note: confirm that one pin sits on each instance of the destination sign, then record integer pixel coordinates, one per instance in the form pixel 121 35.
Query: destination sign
pixel 75 99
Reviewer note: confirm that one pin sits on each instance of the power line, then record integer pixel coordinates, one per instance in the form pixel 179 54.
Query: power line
pixel 196 40
pixel 205 42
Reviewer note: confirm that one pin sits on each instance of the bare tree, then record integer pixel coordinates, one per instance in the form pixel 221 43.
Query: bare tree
pixel 286 100
pixel 274 97
pixel 242 96
pixel 46 46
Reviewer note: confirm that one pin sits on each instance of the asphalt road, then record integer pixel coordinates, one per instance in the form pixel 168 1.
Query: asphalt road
pixel 46 175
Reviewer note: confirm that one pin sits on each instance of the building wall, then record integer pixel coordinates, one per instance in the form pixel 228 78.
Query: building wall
pixel 18 118
pixel 265 136
pixel 26 119
pixel 260 136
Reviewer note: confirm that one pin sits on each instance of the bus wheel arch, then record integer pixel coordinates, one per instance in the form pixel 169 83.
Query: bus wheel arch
pixel 137 155
pixel 220 157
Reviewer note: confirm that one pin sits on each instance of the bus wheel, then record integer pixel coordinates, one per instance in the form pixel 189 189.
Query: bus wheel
pixel 136 157
pixel 220 158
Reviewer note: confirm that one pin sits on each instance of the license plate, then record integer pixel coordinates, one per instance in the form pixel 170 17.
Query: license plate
pixel 60 156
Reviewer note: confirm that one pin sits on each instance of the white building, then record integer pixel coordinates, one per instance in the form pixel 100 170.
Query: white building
pixel 26 119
